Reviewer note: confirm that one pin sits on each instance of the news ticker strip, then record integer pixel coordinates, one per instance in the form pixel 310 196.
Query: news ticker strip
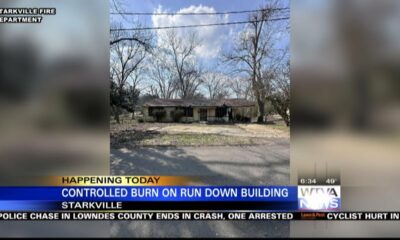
pixel 200 216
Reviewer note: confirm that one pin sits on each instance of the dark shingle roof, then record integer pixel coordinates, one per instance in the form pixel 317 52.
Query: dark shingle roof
pixel 232 102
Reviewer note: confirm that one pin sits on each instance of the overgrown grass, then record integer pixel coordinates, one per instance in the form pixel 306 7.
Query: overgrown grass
pixel 280 125
pixel 129 133
pixel 200 140
pixel 138 138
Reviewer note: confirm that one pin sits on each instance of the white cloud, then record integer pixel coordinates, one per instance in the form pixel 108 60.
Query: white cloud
pixel 212 38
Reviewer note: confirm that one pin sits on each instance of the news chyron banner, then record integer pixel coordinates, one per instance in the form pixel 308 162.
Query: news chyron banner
pixel 131 193
pixel 171 198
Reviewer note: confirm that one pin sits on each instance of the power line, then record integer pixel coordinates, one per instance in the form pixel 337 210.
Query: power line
pixel 198 13
pixel 196 25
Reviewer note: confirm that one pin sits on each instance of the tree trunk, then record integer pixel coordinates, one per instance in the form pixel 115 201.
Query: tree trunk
pixel 286 118
pixel 261 111
pixel 117 111
pixel 116 115
pixel 133 114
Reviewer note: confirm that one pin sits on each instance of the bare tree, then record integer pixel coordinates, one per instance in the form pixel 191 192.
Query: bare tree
pixel 185 68
pixel 162 75
pixel 216 85
pixel 153 91
pixel 241 87
pixel 125 59
pixel 279 95
pixel 118 7
pixel 134 81
pixel 254 49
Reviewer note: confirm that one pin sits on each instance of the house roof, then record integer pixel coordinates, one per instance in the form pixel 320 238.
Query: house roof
pixel 232 102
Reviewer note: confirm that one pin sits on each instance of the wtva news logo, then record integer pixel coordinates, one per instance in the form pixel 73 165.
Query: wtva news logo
pixel 319 198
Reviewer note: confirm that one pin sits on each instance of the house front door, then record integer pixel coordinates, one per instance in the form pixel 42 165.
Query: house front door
pixel 203 114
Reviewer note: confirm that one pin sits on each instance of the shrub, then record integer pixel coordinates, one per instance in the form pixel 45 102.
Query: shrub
pixel 177 115
pixel 159 114
pixel 245 119
pixel 238 117
pixel 141 120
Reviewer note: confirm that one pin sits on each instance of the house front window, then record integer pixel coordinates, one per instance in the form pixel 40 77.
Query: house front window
pixel 187 111
pixel 220 112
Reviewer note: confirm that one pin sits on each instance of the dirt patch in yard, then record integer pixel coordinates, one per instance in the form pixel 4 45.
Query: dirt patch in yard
pixel 266 130
pixel 237 130
pixel 202 140
pixel 195 134
pixel 131 139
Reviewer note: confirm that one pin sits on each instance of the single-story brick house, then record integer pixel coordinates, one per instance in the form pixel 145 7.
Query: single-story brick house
pixel 199 110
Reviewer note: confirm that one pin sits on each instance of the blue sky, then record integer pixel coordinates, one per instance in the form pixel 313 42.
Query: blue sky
pixel 215 40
